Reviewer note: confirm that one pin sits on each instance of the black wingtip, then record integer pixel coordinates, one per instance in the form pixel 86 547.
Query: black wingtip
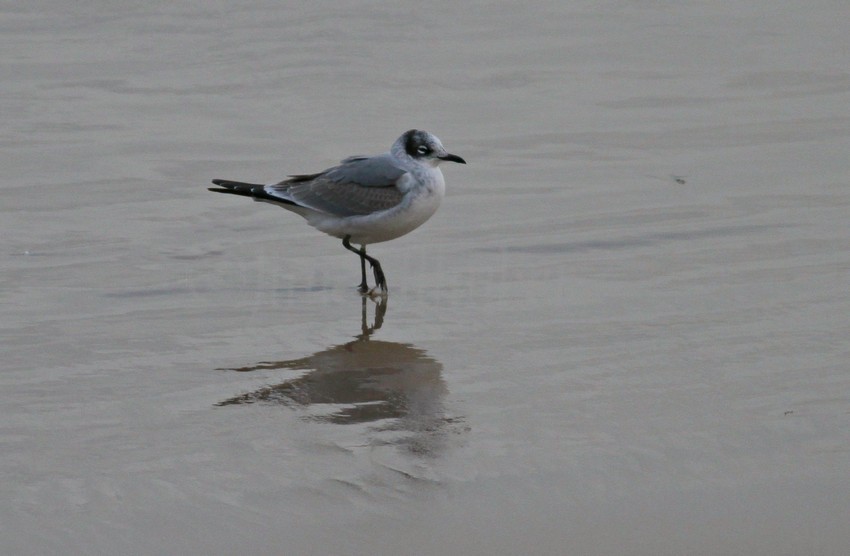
pixel 233 184
pixel 237 188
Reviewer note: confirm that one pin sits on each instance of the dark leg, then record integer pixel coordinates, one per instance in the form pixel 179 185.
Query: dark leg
pixel 380 279
pixel 364 287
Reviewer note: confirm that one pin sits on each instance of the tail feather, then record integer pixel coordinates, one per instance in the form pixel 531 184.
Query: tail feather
pixel 254 190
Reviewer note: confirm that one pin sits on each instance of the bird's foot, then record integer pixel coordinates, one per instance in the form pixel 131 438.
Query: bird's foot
pixel 373 293
pixel 377 293
pixel 380 279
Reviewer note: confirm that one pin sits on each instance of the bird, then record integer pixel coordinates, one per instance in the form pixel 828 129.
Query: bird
pixel 364 199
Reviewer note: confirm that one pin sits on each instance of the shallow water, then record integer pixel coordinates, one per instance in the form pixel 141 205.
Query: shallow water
pixel 625 331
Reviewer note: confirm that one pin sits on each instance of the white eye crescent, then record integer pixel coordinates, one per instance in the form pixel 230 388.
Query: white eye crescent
pixel 422 149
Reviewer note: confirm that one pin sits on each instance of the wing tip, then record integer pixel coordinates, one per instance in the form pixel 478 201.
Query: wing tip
pixel 236 187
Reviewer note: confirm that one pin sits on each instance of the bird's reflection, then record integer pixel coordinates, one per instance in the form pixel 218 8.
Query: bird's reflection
pixel 398 387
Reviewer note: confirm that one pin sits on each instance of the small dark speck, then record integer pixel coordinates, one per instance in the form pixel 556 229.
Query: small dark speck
pixel 678 179
pixel 789 412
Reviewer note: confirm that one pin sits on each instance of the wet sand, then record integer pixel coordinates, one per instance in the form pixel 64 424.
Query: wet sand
pixel 624 332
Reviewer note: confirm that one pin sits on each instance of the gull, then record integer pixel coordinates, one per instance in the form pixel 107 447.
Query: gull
pixel 365 199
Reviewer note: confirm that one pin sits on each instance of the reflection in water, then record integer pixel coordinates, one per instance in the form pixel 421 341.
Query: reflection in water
pixel 365 381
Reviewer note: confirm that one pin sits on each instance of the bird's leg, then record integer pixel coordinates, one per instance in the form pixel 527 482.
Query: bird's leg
pixel 380 280
pixel 364 287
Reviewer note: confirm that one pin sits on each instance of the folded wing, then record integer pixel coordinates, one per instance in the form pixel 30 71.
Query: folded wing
pixel 358 186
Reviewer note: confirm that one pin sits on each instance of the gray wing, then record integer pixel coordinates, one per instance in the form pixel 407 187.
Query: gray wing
pixel 372 171
pixel 358 186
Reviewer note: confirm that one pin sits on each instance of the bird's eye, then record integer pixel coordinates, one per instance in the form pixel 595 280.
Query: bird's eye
pixel 422 149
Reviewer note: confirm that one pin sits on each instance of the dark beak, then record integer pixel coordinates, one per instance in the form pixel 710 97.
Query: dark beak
pixel 452 158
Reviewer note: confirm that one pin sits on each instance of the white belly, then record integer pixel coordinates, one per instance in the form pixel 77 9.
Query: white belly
pixel 416 208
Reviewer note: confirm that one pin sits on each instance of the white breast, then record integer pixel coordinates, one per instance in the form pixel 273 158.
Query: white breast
pixel 423 190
